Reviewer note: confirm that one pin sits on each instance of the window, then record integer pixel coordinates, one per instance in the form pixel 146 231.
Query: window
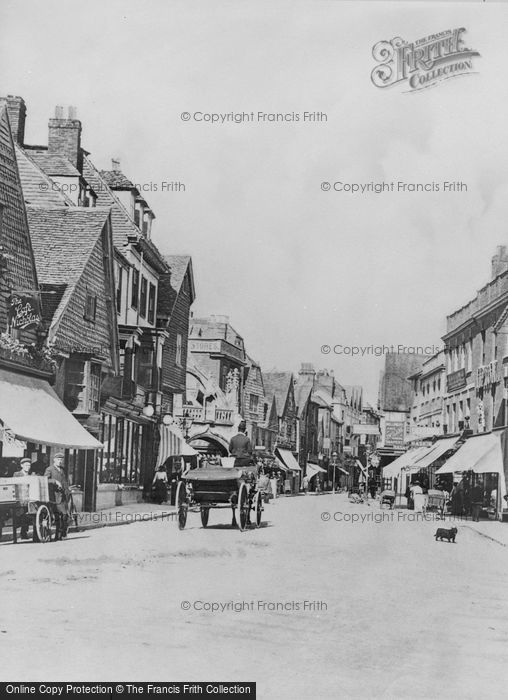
pixel 145 356
pixel 135 289
pixel 143 297
pixel 90 307
pixel 151 304
pixel 178 358
pixel 94 397
pixel 82 386
pixel 253 402
pixel 482 337
pixel 119 290
pixel 494 342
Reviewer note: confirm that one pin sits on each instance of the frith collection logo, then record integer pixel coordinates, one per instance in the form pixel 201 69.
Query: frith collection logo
pixel 423 63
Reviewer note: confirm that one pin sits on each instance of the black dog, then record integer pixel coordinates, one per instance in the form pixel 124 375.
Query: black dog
pixel 444 534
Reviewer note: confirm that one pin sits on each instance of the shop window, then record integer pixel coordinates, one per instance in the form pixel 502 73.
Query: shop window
pixel 90 307
pixel 143 297
pixel 135 289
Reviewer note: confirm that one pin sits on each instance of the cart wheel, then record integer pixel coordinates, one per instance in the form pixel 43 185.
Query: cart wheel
pixel 205 512
pixel 181 504
pixel 44 524
pixel 258 508
pixel 243 507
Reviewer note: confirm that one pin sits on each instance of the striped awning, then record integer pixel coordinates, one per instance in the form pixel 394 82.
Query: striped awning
pixel 172 444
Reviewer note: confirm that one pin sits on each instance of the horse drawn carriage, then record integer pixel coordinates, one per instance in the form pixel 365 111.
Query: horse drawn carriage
pixel 32 501
pixel 221 486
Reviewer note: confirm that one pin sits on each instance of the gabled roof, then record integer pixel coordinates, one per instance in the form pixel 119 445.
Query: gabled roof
pixel 303 390
pixel 171 282
pixel 38 188
pixel 277 384
pixel 179 264
pixel 63 239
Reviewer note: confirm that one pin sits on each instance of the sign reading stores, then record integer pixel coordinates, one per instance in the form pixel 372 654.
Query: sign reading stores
pixel 423 63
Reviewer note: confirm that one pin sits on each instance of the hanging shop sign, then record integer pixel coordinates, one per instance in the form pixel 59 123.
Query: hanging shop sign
pixel 23 311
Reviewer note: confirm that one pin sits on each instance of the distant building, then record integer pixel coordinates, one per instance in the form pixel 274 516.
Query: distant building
pixel 395 401
pixel 429 386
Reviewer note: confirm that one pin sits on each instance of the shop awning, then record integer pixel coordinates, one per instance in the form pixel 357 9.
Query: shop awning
pixel 33 412
pixel 480 454
pixel 403 462
pixel 289 460
pixel 172 444
pixel 434 452
pixel 313 469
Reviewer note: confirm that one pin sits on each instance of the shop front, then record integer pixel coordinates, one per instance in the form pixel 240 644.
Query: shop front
pixel 35 423
pixel 474 474
pixel 289 465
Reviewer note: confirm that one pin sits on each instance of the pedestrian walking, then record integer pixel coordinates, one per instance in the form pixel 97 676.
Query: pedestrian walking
pixel 477 501
pixel 160 486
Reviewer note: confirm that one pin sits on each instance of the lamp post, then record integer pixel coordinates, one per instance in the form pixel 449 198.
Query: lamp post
pixel 187 422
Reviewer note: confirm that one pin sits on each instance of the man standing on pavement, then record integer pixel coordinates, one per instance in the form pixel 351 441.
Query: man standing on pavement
pixel 24 518
pixel 477 501
pixel 63 495
pixel 240 447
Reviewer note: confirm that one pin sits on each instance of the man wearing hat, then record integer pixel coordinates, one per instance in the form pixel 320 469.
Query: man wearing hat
pixel 25 467
pixel 24 518
pixel 240 447
pixel 57 475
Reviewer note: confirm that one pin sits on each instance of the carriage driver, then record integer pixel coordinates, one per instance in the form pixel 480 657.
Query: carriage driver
pixel 240 447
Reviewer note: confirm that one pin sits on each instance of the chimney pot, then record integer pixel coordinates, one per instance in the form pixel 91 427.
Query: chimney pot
pixel 72 112
pixel 115 164
pixel 499 261
pixel 59 112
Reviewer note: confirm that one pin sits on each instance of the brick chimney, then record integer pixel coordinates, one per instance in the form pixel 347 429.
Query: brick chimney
pixel 16 109
pixel 307 369
pixel 499 261
pixel 64 137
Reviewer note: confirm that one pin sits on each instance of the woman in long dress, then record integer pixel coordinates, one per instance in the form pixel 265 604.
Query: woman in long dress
pixel 418 498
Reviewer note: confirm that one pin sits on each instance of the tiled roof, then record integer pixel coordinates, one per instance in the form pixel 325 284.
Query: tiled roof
pixel 277 384
pixel 117 180
pixel 171 283
pixel 54 164
pixel 57 262
pixel 178 265
pixel 38 188
pixel 302 392
pixel 123 226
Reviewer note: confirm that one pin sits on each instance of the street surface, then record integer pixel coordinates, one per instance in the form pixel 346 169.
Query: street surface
pixel 372 610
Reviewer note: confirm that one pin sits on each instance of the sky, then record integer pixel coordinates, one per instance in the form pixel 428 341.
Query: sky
pixel 295 268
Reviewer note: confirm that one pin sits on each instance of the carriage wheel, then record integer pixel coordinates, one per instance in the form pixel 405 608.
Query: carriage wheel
pixel 44 524
pixel 243 507
pixel 258 508
pixel 205 512
pixel 181 505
